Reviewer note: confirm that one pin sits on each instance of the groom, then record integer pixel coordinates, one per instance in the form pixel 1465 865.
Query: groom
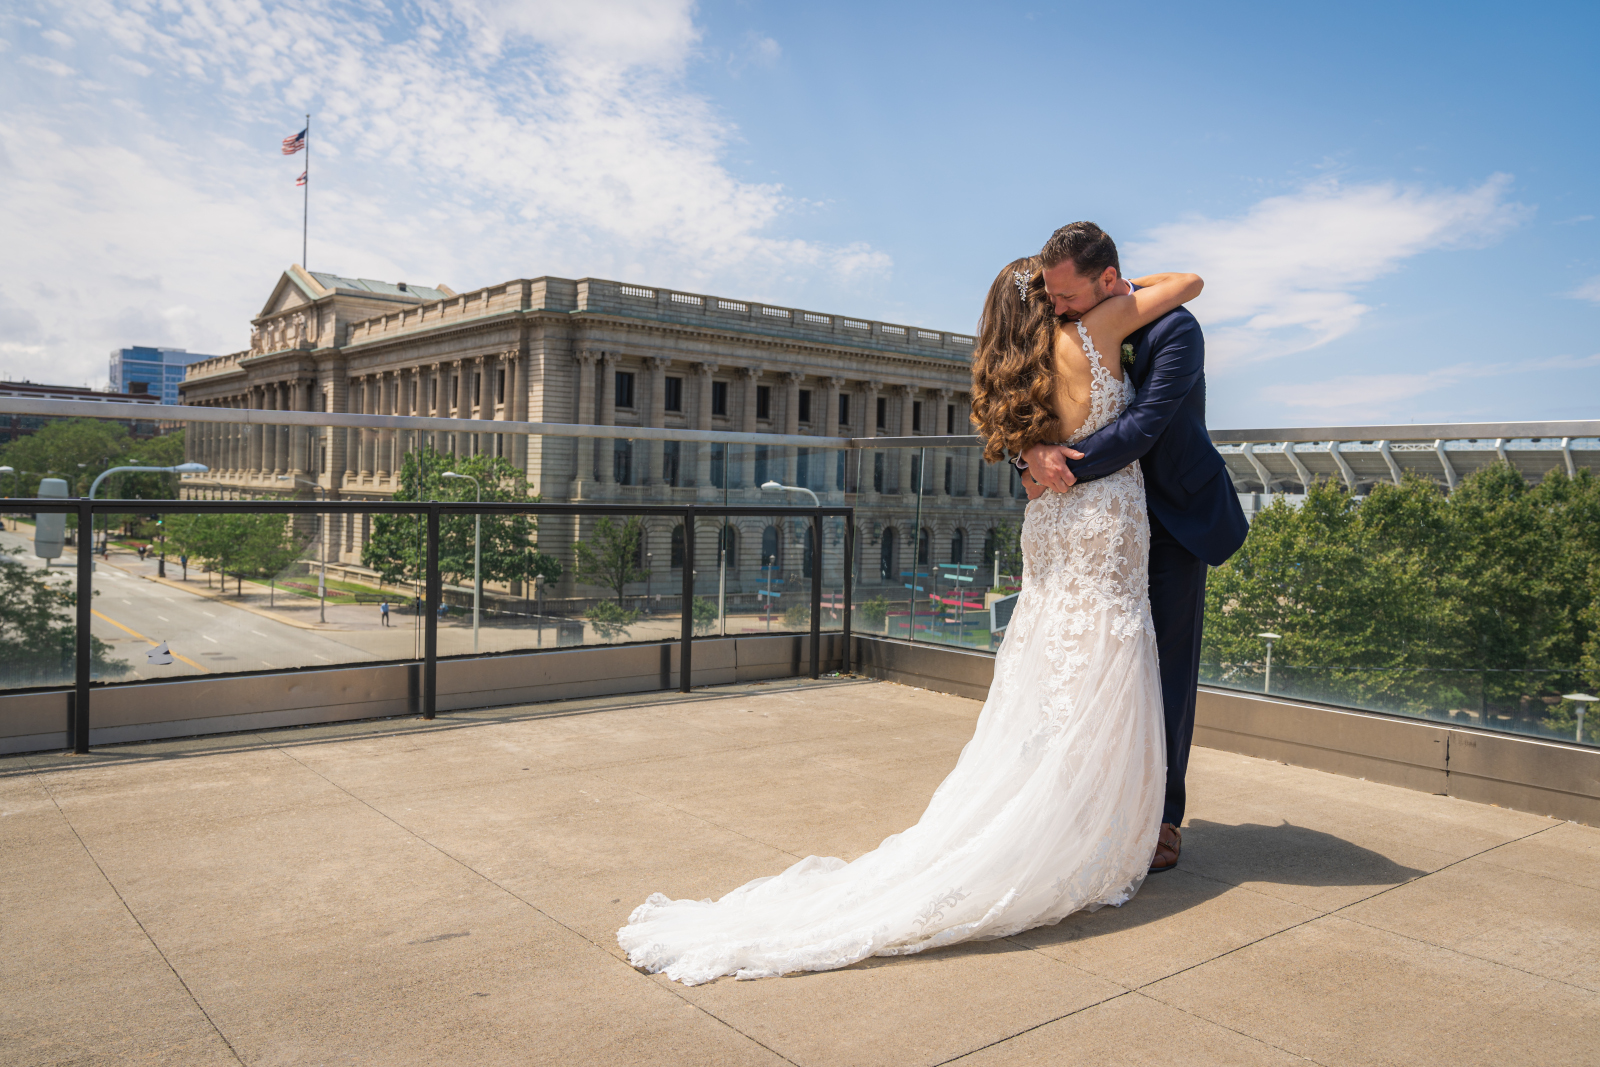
pixel 1195 518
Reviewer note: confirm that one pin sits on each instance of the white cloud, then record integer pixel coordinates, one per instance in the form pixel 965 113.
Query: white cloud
pixel 458 141
pixel 1588 290
pixel 1369 398
pixel 49 66
pixel 57 37
pixel 1284 277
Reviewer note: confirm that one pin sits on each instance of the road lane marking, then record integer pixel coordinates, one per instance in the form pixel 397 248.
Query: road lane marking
pixel 213 640
pixel 163 618
pixel 324 659
pixel 258 633
pixel 203 611
pixel 142 637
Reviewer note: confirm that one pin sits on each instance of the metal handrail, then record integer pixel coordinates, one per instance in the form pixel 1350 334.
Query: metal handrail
pixel 86 510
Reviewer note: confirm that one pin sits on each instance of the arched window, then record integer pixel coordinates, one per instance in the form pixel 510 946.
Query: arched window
pixel 924 546
pixel 989 539
pixel 809 560
pixel 769 547
pixel 677 548
pixel 730 548
pixel 958 547
pixel 886 553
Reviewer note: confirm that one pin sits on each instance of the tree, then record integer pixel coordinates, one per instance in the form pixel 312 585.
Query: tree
pixel 609 556
pixel 510 553
pixel 38 635
pixel 243 545
pixel 58 448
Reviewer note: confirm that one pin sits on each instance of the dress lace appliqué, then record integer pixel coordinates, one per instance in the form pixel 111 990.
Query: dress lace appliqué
pixel 1052 808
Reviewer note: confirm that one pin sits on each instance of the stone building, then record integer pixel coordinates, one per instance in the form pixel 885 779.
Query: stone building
pixel 606 353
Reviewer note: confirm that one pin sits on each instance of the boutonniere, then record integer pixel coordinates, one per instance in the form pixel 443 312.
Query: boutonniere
pixel 1127 356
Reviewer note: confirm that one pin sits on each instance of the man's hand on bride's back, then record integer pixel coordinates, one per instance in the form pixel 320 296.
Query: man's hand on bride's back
pixel 1048 466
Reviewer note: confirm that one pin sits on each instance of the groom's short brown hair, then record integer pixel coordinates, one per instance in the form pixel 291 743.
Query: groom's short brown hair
pixel 1089 247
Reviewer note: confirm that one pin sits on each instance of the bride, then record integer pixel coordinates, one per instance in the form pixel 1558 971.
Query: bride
pixel 1055 803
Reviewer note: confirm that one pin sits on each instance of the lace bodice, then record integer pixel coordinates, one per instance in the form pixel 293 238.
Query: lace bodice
pixel 1108 397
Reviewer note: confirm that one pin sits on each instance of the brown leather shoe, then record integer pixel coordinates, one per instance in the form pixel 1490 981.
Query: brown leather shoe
pixel 1169 843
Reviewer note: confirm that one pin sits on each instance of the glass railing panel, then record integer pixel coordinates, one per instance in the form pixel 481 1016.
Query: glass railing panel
pixel 38 606
pixel 934 558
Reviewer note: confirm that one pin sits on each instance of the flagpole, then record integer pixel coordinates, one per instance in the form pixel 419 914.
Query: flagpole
pixel 305 210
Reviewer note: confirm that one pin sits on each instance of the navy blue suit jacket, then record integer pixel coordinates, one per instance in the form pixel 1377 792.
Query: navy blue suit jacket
pixel 1186 481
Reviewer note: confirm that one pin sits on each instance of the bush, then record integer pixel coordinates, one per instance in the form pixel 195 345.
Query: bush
pixel 874 611
pixel 705 614
pixel 798 617
pixel 610 620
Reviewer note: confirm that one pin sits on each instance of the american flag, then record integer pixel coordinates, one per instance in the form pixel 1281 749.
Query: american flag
pixel 294 143
pixel 300 180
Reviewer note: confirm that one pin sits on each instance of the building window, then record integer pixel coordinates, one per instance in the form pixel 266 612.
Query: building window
pixel 477 389
pixel 622 462
pixel 769 548
pixel 139 388
pixel 877 472
pixel 990 540
pixel 761 464
pixel 886 554
pixel 838 474
pixel 916 476
pixel 844 410
pixel 924 545
pixel 676 552
pixel 916 416
pixel 802 467
pixel 624 397
pixel 809 560
pixel 950 419
pixel 949 475
pixel 958 548
pixel 674 397
pixel 719 465
pixel 730 548
pixel 763 401
pixel 500 386
pixel 883 413
pixel 805 405
pixel 719 398
pixel 670 454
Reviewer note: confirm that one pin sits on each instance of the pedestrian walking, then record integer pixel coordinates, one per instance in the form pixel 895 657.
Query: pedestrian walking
pixel 383 612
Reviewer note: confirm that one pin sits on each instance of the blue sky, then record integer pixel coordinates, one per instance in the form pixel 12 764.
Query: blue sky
pixel 1394 207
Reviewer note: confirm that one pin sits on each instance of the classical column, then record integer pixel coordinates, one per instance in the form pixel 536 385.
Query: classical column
pixel 586 415
pixel 517 405
pixel 657 417
pixel 608 416
pixel 367 407
pixel 908 396
pixel 300 436
pixel 934 478
pixel 791 425
pixel 702 421
pixel 384 404
pixel 258 401
pixel 973 457
pixel 510 364
pixel 739 474
pixel 830 428
pixel 352 438
pixel 464 369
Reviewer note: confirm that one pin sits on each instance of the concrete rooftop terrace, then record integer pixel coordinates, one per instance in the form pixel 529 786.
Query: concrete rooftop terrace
pixel 402 892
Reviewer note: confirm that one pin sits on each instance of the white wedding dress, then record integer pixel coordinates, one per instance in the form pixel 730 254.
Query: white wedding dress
pixel 1053 807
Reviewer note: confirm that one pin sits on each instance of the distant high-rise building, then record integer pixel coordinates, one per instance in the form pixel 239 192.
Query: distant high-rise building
pixel 153 371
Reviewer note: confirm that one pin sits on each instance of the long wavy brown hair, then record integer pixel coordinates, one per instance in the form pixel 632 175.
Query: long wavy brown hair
pixel 1013 364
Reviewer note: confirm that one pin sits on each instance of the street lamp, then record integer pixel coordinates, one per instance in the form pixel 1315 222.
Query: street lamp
pixel 1269 638
pixel 649 569
pixel 1583 700
pixel 477 557
pixel 182 468
pixel 322 536
pixel 776 487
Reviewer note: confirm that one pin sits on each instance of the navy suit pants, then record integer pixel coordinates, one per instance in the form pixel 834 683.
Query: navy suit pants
pixel 1178 607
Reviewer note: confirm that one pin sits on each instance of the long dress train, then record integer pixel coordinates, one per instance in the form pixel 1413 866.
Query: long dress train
pixel 1053 806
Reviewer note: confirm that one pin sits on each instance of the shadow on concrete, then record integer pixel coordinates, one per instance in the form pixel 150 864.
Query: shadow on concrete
pixel 1217 857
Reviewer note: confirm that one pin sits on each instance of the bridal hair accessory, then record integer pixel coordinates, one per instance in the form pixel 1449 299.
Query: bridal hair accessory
pixel 1022 285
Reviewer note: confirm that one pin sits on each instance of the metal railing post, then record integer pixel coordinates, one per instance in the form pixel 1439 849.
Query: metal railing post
pixel 79 730
pixel 849 586
pixel 430 625
pixel 686 638
pixel 816 594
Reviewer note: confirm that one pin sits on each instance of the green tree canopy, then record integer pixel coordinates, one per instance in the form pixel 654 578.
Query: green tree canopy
pixel 38 633
pixel 510 553
pixel 610 555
